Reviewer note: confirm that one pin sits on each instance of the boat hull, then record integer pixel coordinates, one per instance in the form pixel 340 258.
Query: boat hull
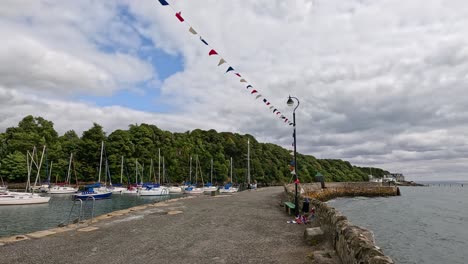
pixel 62 190
pixel 96 196
pixel 22 199
pixel 154 192
pixel 228 191
pixel 194 191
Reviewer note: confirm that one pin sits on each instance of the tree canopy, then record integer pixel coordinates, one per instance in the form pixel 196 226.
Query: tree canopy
pixel 141 144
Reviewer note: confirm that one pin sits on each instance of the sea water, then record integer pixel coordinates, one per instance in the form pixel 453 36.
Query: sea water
pixel 22 219
pixel 423 225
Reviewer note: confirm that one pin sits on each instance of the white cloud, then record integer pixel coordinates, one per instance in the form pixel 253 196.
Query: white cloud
pixel 380 82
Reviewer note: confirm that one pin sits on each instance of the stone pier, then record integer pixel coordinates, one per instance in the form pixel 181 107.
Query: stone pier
pixel 353 244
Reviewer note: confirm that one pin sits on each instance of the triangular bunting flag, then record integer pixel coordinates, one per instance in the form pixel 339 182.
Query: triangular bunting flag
pixel 268 103
pixel 271 107
pixel 229 69
pixel 221 61
pixel 179 16
pixel 213 52
pixel 278 112
pixel 258 96
pixel 274 110
pixel 243 80
pixel 238 74
pixel 191 30
pixel 248 86
pixel 264 100
pixel 291 123
pixel 202 40
pixel 254 91
pixel 163 2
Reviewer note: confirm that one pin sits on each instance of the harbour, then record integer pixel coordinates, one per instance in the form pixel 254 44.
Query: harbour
pixel 21 219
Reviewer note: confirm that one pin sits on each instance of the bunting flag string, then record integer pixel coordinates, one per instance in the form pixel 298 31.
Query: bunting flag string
pixel 222 61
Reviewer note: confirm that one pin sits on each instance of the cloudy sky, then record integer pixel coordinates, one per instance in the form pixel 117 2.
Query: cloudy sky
pixel 381 82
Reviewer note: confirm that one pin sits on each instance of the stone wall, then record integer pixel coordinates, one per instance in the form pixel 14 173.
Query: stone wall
pixel 353 244
pixel 342 189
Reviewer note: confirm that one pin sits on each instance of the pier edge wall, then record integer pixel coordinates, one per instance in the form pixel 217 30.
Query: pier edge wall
pixel 353 244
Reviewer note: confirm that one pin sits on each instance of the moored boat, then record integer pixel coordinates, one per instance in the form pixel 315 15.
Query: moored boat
pixel 93 190
pixel 17 198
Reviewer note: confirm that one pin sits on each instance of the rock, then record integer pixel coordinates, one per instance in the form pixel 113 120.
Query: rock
pixel 313 235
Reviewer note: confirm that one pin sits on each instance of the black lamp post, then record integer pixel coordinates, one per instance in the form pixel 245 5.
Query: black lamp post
pixel 290 102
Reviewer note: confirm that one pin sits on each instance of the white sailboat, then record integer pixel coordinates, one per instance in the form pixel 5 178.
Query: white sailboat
pixel 133 189
pixel 20 198
pixel 64 188
pixel 155 189
pixel 172 188
pixel 229 188
pixel 119 189
pixel 254 184
pixel 209 187
pixel 193 189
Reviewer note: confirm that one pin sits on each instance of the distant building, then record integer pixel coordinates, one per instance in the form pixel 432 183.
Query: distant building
pixel 374 179
pixel 398 176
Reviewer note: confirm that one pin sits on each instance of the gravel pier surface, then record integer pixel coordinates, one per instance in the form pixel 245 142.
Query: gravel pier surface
pixel 247 227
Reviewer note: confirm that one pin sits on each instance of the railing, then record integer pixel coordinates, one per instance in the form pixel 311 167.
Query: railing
pixel 85 210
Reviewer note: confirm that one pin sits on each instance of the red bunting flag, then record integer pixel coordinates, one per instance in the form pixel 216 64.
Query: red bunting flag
pixel 213 52
pixel 254 91
pixel 179 16
pixel 238 74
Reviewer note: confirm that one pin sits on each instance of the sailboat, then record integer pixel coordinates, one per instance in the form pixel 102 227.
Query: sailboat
pixel 133 188
pixel 249 184
pixel 20 198
pixel 96 190
pixel 193 189
pixel 117 188
pixel 228 188
pixel 154 189
pixel 172 188
pixel 209 187
pixel 65 187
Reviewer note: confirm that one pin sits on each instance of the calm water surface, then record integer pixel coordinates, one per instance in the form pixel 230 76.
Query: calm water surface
pixel 423 225
pixel 22 219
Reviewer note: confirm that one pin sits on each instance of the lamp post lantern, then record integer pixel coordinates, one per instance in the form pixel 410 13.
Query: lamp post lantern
pixel 290 102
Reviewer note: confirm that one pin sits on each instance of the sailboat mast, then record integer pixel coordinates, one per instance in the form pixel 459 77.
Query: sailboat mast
pixel 211 172
pixel 151 170
pixel 159 165
pixel 39 167
pixel 164 170
pixel 121 170
pixel 69 168
pixel 190 169
pixel 100 161
pixel 248 161
pixel 231 170
pixel 136 171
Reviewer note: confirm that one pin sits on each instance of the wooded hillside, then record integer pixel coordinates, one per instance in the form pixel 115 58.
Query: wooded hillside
pixel 269 162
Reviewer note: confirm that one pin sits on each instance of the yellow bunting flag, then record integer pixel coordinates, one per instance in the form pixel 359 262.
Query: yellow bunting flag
pixel 243 80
